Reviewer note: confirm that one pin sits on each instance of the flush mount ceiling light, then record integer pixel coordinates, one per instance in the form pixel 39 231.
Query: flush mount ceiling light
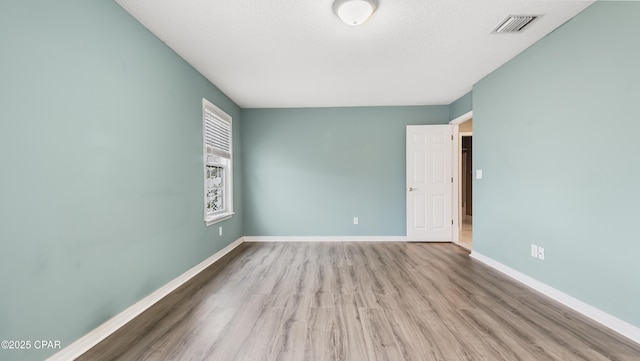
pixel 354 12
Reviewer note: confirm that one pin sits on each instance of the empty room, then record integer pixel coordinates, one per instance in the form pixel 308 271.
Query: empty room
pixel 294 180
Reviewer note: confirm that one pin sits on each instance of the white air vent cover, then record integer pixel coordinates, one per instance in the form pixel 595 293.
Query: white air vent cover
pixel 514 23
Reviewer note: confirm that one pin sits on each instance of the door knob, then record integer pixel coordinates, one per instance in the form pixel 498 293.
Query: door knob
pixel 411 189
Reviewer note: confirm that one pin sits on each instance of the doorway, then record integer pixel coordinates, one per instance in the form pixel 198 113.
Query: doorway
pixel 462 180
pixel 465 176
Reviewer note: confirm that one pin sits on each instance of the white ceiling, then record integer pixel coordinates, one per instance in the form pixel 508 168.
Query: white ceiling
pixel 298 53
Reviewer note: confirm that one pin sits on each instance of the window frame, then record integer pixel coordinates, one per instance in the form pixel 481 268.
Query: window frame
pixel 212 157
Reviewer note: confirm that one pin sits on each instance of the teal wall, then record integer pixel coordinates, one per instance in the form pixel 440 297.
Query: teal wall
pixel 559 152
pixel 101 186
pixel 463 105
pixel 309 171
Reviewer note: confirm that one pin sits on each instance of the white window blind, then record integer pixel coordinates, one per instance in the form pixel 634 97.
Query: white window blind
pixel 218 163
pixel 217 133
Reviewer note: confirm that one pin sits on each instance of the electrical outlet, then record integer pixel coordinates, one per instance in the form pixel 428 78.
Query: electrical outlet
pixel 478 173
pixel 541 253
pixel 534 251
pixel 355 220
pixel 220 231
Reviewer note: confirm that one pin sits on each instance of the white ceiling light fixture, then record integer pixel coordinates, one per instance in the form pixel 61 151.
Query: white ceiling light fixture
pixel 354 12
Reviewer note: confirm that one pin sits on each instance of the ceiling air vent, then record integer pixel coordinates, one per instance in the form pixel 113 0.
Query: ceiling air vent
pixel 514 24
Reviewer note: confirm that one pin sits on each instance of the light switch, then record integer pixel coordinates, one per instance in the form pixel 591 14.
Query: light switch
pixel 478 173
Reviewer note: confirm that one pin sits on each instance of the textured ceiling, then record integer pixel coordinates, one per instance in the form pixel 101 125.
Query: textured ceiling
pixel 297 53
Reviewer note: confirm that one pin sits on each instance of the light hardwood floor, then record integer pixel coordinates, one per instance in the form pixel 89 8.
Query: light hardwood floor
pixel 358 302
pixel 465 236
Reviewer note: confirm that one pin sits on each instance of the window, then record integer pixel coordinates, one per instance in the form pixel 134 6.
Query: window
pixel 218 171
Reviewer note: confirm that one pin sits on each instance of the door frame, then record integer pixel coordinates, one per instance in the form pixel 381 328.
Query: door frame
pixel 455 160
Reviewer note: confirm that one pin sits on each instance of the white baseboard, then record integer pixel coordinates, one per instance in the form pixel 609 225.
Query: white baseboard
pixel 326 239
pixel 91 339
pixel 625 329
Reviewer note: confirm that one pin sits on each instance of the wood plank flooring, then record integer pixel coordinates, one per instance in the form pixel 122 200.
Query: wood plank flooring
pixel 358 302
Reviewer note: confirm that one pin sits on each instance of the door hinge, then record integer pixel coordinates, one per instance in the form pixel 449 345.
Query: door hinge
pixel 452 137
pixel 452 222
pixel 451 179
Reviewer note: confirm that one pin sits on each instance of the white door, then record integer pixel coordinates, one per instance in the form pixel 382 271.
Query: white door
pixel 429 186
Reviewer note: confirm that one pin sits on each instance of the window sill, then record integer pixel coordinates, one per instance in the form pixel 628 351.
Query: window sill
pixel 218 218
